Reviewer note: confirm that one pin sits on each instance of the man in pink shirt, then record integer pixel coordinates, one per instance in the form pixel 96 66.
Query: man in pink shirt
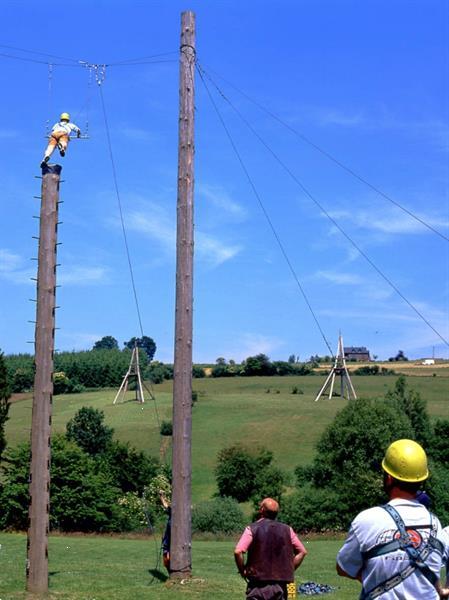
pixel 273 553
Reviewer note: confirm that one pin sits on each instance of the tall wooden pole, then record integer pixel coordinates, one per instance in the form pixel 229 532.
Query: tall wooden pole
pixel 181 531
pixel 39 511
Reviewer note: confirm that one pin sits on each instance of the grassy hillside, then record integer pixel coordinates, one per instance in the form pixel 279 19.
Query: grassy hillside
pixel 100 568
pixel 254 411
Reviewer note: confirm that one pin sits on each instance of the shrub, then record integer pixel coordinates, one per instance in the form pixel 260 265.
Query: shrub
pixel 297 390
pixel 161 482
pixel 166 428
pixel 132 512
pixel 311 509
pixel 244 474
pixel 220 515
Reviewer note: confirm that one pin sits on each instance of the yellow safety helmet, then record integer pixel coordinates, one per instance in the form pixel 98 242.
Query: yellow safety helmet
pixel 64 117
pixel 406 460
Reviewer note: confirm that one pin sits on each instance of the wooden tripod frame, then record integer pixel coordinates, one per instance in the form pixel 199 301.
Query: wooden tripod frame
pixel 341 370
pixel 134 373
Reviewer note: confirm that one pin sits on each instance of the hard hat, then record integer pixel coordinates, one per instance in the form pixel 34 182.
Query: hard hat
pixel 406 460
pixel 64 117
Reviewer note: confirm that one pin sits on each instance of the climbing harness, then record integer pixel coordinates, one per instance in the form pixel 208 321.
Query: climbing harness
pixel 417 557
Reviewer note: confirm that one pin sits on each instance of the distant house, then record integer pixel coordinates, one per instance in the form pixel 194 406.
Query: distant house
pixel 428 361
pixel 357 353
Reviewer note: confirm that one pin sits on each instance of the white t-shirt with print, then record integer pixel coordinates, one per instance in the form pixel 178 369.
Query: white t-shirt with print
pixel 375 526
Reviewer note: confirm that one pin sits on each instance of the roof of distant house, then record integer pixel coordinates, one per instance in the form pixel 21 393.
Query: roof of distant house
pixel 355 349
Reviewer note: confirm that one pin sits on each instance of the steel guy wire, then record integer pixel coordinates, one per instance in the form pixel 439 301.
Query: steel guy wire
pixel 119 202
pixel 325 212
pixel 332 158
pixel 262 206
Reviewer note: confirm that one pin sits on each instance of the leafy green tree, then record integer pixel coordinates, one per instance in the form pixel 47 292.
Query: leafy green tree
pixel 82 497
pixel 439 445
pixel 129 469
pixel 144 342
pixel 87 430
pixel 350 452
pixel 257 365
pixel 106 343
pixel 157 372
pixel 221 369
pixel 15 496
pixel 4 402
pixel 198 372
pixel 410 403
pixel 438 489
pixel 23 380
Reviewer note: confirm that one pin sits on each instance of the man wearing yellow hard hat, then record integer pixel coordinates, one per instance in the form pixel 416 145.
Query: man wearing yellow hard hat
pixel 60 136
pixel 397 550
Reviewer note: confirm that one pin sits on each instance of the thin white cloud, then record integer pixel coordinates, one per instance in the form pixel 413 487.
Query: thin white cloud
pixel 389 222
pixel 137 134
pixel 80 275
pixel 221 199
pixel 156 224
pixel 336 117
pixel 13 269
pixel 9 261
pixel 77 340
pixel 339 278
pixel 251 344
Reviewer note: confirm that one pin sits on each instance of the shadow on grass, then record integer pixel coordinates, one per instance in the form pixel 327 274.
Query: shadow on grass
pixel 157 574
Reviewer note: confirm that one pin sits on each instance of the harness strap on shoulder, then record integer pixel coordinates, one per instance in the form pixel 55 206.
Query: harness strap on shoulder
pixel 417 558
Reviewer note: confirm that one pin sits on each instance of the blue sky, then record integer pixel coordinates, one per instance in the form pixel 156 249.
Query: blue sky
pixel 365 81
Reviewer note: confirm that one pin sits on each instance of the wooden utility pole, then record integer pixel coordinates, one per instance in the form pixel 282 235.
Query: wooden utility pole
pixel 39 511
pixel 181 530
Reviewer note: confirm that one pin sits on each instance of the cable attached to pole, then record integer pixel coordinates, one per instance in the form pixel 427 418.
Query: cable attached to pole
pixel 100 79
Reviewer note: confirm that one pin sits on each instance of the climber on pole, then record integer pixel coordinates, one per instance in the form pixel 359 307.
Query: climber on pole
pixel 60 136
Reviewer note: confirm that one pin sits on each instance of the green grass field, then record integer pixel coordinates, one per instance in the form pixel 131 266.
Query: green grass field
pixel 100 568
pixel 253 411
